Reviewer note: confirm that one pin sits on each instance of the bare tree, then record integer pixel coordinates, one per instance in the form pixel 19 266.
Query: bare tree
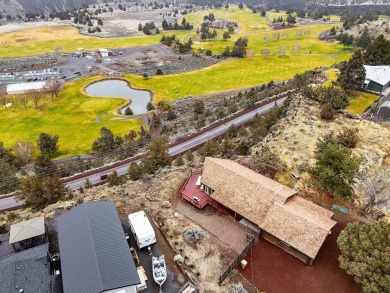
pixel 276 36
pixel 25 149
pixel 58 49
pixel 282 50
pixel 24 98
pixel 265 52
pixel 296 48
pixel 36 96
pixel 299 33
pixel 250 54
pixel 376 189
pixel 307 32
pixel 53 87
pixel 285 35
pixel 14 101
pixel 4 100
pixel 266 38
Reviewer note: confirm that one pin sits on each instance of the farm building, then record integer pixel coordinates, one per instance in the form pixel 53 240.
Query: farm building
pixel 282 217
pixel 20 88
pixel 384 110
pixel 377 77
pixel 95 256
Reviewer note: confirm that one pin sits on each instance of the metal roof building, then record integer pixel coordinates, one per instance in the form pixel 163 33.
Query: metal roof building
pixel 20 88
pixel 95 256
pixel 377 77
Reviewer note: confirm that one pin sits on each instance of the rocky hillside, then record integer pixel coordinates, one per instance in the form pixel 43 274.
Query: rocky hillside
pixel 38 6
pixel 375 28
pixel 295 137
pixel 11 8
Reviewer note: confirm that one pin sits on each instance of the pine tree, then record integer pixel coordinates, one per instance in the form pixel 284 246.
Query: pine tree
pixel 335 170
pixel 128 111
pixel 179 161
pixel 364 40
pixel 134 172
pixel 157 155
pixel 114 179
pixel 365 254
pixel 189 156
pixel 378 53
pixel 40 192
pixel 105 142
pixel 352 73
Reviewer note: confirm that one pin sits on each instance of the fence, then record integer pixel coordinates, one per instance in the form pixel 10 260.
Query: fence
pixel 240 257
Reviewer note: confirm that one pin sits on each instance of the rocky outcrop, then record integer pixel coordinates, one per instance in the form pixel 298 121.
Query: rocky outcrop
pixel 38 6
pixel 11 9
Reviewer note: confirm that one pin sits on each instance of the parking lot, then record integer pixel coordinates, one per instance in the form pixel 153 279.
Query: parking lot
pixel 81 62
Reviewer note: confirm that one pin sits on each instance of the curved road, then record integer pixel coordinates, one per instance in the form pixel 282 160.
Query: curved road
pixel 9 203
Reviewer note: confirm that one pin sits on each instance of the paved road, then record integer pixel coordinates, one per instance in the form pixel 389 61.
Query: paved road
pixel 173 150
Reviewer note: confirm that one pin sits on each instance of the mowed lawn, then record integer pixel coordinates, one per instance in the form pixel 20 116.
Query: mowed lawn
pixel 229 75
pixel 71 115
pixel 361 103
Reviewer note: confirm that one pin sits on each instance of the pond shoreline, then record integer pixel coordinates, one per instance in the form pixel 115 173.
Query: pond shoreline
pixel 129 102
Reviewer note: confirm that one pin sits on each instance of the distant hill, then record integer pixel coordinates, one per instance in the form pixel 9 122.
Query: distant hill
pixel 38 6
pixel 11 8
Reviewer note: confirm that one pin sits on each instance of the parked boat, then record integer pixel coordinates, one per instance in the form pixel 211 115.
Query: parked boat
pixel 159 269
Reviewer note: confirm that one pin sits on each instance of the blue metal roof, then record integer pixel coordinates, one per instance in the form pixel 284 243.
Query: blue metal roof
pixel 95 256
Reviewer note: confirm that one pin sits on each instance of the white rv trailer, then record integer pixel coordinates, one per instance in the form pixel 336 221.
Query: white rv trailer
pixel 142 229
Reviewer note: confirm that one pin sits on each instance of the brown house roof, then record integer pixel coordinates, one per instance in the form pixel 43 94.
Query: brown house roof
pixel 274 207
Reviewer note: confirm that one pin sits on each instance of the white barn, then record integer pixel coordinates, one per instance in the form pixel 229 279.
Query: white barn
pixel 20 88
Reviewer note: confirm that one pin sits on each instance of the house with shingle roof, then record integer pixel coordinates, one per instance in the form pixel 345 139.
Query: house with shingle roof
pixel 28 271
pixel 293 223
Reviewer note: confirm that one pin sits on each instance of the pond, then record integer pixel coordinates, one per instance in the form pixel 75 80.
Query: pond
pixel 116 88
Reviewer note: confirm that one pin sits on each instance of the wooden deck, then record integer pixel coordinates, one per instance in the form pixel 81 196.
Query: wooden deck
pixel 197 197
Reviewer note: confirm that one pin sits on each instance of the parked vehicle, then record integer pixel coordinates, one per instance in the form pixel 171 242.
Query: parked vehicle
pixel 142 229
pixel 159 269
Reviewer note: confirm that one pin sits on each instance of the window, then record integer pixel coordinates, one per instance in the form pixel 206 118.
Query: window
pixel 208 190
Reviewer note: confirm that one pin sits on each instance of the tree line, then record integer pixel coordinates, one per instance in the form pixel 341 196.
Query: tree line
pixel 52 88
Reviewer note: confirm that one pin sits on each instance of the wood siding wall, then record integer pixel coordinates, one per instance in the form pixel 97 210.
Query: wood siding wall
pixel 272 239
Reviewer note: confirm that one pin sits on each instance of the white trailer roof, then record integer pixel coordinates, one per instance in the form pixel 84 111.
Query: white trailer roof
pixel 140 223
pixel 17 88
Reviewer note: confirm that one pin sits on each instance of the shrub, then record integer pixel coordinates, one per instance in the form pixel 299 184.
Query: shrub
pixel 179 161
pixel 348 137
pixel 327 112
pixel 159 71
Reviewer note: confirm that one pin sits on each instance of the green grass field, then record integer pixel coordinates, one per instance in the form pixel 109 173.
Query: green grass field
pixel 361 103
pixel 229 75
pixel 72 116
pixel 332 75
